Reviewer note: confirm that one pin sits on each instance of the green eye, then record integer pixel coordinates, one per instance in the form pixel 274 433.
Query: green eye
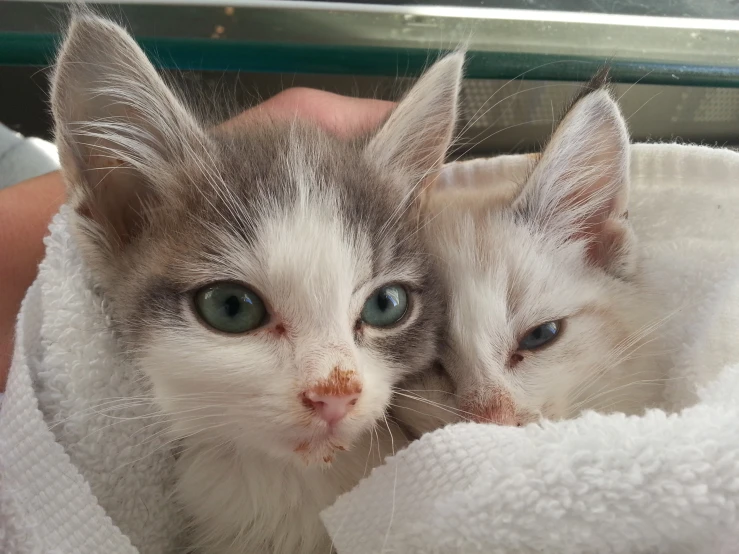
pixel 230 308
pixel 387 305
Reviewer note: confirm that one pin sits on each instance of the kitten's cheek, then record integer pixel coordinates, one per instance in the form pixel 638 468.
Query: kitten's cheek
pixel 378 377
pixel 556 410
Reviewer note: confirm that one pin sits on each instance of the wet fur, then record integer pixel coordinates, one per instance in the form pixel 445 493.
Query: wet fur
pixel 312 223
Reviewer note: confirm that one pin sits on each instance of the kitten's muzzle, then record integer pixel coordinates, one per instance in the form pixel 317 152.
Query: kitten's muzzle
pixel 499 408
pixel 495 417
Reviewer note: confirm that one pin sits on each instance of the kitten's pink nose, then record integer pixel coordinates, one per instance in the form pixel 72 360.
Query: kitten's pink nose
pixel 329 407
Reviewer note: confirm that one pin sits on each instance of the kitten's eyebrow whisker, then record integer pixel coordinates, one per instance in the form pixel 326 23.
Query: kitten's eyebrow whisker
pixel 217 184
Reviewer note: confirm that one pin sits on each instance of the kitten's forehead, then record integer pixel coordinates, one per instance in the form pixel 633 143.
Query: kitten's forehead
pixel 303 257
pixel 296 209
pixel 277 168
pixel 514 273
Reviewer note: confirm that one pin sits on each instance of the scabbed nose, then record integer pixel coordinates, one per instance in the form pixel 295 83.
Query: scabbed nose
pixel 329 407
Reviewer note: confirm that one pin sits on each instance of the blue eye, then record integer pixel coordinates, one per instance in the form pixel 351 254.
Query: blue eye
pixel 230 308
pixel 386 306
pixel 539 336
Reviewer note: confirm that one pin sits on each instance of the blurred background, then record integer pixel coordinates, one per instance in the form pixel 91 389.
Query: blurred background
pixel 675 62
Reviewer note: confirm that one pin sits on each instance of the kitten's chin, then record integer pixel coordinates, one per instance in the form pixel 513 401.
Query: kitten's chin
pixel 320 449
pixel 317 453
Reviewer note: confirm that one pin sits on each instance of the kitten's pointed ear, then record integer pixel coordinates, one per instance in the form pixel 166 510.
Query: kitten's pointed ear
pixel 119 129
pixel 579 188
pixel 415 138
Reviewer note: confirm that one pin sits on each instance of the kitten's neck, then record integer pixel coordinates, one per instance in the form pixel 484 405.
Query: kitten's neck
pixel 248 502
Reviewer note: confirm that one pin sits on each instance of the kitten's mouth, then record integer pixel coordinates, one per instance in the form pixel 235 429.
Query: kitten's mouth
pixel 320 451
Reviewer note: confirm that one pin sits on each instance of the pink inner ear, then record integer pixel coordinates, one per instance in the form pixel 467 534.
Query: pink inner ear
pixel 611 244
pixel 117 198
pixel 594 223
pixel 581 182
pixel 601 229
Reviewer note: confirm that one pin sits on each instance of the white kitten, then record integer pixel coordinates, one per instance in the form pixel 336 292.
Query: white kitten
pixel 268 281
pixel 550 311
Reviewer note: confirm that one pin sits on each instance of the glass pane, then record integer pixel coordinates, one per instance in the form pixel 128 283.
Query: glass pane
pixel 538 42
pixel 705 9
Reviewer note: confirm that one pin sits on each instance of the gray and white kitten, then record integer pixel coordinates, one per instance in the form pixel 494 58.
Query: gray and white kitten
pixel 551 310
pixel 267 279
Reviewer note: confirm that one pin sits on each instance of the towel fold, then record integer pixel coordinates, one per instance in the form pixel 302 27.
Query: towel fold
pixel 84 466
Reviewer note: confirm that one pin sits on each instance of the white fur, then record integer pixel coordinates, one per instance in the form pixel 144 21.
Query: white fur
pixel 255 466
pixel 235 401
pixel 511 265
pixel 239 475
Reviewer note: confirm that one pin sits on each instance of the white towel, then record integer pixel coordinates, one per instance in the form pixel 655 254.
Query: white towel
pixel 76 476
pixel 598 484
pixel 94 485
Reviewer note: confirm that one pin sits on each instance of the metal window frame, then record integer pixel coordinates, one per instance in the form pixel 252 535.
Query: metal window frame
pixel 365 39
